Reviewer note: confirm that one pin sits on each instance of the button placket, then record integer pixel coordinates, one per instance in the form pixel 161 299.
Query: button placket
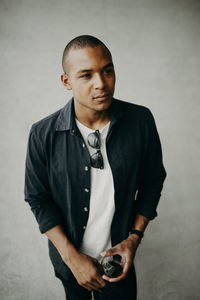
pixel 86 189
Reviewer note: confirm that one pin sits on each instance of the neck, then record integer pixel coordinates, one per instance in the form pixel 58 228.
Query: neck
pixel 90 117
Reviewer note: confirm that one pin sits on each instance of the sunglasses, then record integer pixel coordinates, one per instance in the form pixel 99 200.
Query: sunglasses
pixel 94 141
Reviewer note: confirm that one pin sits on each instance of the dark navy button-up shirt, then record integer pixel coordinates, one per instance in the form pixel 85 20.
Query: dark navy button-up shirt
pixel 57 172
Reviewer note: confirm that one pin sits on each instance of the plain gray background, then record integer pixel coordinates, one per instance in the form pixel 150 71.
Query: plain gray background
pixel 156 52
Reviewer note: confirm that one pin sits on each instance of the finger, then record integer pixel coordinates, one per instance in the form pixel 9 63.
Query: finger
pixel 95 284
pixel 121 277
pixel 123 261
pixel 126 266
pixel 100 269
pixel 106 277
pixel 116 279
pixel 87 287
pixel 101 281
pixel 110 252
pixel 91 286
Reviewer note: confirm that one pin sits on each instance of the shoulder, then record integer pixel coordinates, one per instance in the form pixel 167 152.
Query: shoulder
pixel 45 125
pixel 45 128
pixel 130 109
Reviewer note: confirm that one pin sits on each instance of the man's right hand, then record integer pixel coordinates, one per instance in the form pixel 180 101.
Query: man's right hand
pixel 87 271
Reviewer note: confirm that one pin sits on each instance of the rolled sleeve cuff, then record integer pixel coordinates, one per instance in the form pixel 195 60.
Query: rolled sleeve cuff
pixel 45 226
pixel 149 215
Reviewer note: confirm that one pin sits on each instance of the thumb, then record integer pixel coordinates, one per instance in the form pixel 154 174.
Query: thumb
pixel 109 252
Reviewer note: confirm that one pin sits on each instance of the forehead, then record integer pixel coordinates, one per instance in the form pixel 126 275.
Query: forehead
pixel 88 58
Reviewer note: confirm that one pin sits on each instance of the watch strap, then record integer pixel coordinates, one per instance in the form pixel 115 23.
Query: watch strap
pixel 137 232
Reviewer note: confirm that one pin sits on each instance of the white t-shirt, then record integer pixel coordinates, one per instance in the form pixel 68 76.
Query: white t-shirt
pixel 97 236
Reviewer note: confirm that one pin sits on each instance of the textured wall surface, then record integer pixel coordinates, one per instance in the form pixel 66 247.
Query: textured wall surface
pixel 156 52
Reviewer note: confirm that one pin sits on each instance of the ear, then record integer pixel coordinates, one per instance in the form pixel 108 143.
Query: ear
pixel 66 81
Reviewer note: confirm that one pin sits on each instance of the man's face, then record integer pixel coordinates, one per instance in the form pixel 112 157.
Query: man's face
pixel 91 76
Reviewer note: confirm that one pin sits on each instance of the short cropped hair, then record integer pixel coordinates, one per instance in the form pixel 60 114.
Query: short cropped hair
pixel 82 41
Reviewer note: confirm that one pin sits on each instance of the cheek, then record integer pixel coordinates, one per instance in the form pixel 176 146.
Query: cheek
pixel 85 87
pixel 76 87
pixel 82 89
pixel 112 82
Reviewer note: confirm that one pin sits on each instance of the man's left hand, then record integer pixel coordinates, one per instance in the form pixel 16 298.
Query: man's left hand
pixel 126 249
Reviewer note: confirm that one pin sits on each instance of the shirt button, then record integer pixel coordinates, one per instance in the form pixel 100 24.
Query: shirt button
pixel 85 209
pixel 86 190
pixel 86 168
pixel 83 145
pixel 84 227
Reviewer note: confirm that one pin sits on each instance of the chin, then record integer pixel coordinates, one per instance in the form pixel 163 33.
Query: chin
pixel 103 105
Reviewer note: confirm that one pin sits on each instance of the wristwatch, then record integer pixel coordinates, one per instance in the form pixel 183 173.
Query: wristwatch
pixel 137 232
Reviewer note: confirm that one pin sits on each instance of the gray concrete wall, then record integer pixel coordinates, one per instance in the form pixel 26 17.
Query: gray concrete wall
pixel 156 51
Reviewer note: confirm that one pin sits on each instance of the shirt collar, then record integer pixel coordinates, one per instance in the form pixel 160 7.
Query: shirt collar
pixel 66 118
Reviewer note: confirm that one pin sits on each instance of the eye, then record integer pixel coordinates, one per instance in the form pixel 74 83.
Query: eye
pixel 85 76
pixel 108 71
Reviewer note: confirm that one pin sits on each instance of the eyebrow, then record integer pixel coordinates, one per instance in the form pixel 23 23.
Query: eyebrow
pixel 89 70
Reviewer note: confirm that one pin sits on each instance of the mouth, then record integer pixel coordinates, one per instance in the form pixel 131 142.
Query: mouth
pixel 101 97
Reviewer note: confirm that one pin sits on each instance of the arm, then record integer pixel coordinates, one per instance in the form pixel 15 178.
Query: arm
pixel 65 248
pixel 149 191
pixel 37 190
pixel 50 219
pixel 86 269
pixel 140 224
pixel 153 172
pixel 128 247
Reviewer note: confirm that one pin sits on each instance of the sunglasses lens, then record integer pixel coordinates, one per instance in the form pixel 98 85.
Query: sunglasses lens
pixel 94 140
pixel 97 160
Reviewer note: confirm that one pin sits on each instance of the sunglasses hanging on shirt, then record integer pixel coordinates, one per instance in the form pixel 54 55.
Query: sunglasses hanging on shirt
pixel 94 141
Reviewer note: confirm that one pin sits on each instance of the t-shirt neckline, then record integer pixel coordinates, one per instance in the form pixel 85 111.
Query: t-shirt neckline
pixel 90 129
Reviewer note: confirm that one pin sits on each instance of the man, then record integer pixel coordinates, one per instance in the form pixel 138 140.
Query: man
pixel 94 176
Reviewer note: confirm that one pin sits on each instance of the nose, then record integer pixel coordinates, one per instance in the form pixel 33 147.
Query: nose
pixel 99 82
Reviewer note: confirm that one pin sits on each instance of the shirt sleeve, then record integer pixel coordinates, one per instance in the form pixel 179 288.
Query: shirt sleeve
pixel 37 189
pixel 153 171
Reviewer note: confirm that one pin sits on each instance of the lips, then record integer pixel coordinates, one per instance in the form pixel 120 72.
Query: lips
pixel 101 96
